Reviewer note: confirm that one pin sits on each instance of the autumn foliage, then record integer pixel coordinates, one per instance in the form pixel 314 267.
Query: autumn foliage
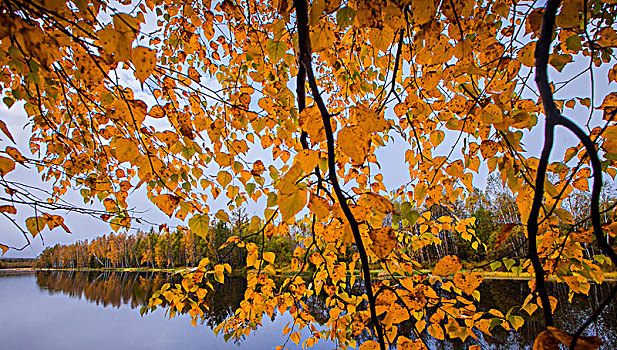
pixel 295 107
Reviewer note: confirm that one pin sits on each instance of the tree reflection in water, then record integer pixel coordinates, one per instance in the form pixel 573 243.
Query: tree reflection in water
pixel 114 289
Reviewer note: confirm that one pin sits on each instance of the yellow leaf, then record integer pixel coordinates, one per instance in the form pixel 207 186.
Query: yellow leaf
pixel 581 184
pixel 369 345
pixel 456 169
pixel 224 178
pixel 319 206
pixel 222 215
pixel 437 137
pixel 436 331
pixel 6 165
pixel 125 150
pixel 310 121
pixel 308 160
pixel 269 257
pixel 36 224
pixel 384 241
pixel 144 60
pixel 468 282
pixel 290 204
pixel 322 36
pixel 276 50
pixel 448 265
pixel 564 215
pixel 491 114
pixel 376 202
pixel 488 148
pixel 423 11
pixel 368 120
pixel 353 141
pixel 526 54
pixel 295 337
pixel 4 248
pixel 167 203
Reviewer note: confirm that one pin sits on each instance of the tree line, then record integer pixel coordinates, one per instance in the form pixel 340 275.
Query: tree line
pixel 162 248
pixel 492 209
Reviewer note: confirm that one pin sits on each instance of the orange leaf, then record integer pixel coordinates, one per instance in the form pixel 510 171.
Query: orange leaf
pixel 6 131
pixel 503 235
pixel 353 141
pixel 8 209
pixel 488 148
pixel 6 166
pixel 166 202
pixel 448 265
pixel 4 248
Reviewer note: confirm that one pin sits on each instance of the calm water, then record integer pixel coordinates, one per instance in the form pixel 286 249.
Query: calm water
pixel 93 310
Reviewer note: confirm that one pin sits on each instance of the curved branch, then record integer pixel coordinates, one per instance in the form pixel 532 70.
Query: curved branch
pixel 552 117
pixel 304 44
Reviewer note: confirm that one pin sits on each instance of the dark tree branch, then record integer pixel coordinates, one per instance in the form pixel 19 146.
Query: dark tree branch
pixel 552 116
pixel 304 44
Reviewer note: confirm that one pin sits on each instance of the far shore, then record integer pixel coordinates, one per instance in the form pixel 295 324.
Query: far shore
pixel 378 274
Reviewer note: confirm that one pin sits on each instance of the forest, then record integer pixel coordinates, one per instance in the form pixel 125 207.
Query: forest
pixel 358 129
pixel 164 249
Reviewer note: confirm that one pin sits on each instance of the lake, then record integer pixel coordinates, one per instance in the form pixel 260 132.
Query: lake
pixel 100 310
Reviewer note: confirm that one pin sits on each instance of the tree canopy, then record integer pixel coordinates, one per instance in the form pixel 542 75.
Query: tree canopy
pixel 295 106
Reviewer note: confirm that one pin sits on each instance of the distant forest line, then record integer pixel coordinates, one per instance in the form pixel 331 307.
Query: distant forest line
pixel 494 209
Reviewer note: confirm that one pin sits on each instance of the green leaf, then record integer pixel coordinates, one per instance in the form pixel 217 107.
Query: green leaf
pixel 8 101
pixel 345 16
pixel 200 225
pixel 509 263
pixel 276 50
pixel 574 43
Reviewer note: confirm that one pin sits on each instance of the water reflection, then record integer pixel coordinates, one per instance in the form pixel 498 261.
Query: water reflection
pixel 114 289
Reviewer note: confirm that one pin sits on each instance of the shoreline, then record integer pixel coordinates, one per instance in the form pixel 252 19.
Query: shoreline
pixel 377 273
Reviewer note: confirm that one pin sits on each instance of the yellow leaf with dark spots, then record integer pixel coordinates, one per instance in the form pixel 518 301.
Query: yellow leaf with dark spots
pixel 468 282
pixel 144 60
pixel 384 241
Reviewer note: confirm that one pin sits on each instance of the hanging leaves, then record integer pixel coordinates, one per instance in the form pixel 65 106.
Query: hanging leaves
pixel 200 225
